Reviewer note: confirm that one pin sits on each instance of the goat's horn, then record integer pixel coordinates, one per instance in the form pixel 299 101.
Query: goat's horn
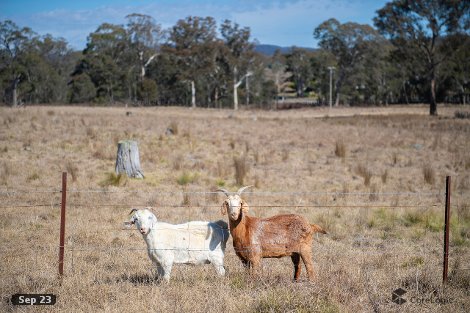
pixel 132 211
pixel 239 192
pixel 224 191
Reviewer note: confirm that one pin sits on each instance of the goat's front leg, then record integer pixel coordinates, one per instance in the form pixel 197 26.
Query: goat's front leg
pixel 255 265
pixel 246 263
pixel 218 263
pixel 160 271
pixel 167 272
pixel 166 269
pixel 164 263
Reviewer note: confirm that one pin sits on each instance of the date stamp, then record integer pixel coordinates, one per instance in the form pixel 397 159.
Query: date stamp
pixel 33 299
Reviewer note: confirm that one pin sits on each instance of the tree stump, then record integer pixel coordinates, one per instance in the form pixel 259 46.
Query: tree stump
pixel 127 160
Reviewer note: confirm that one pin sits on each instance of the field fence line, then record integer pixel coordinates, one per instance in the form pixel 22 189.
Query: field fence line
pixel 365 246
pixel 326 251
pixel 261 206
pixel 357 206
pixel 267 193
pixel 6 206
pixel 372 202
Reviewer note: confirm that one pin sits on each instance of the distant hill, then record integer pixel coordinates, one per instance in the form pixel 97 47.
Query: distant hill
pixel 270 49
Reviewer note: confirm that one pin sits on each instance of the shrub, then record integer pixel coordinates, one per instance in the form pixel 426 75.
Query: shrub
pixel 394 158
pixel 285 155
pixel 173 128
pixel 412 218
pixel 34 176
pixel 113 179
pixel 5 172
pixel 220 183
pixel 340 149
pixel 365 173
pixel 186 199
pixel 462 114
pixel 72 169
pixel 429 174
pixel 384 176
pixel 178 162
pixel 186 178
pixel 241 169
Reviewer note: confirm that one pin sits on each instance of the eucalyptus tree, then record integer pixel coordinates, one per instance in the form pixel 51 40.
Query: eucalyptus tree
pixel 106 61
pixel 33 68
pixel 322 65
pixel 239 56
pixel 299 64
pixel 456 72
pixel 417 28
pixel 276 71
pixel 58 61
pixel 15 51
pixel 349 43
pixel 145 36
pixel 191 42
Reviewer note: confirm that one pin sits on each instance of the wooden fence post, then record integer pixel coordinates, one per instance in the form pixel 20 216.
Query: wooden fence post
pixel 446 232
pixel 62 224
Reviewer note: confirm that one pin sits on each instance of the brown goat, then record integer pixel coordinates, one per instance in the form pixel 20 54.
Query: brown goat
pixel 273 237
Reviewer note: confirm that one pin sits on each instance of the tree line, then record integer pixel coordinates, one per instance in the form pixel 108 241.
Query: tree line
pixel 417 51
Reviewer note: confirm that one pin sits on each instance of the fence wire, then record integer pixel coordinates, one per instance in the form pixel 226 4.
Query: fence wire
pixel 78 241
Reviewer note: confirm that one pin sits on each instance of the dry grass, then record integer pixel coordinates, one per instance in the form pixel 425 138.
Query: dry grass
pixel 363 171
pixel 241 167
pixel 429 174
pixel 340 149
pixel 376 241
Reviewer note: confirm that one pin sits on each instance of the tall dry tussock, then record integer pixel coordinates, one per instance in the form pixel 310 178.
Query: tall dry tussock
pixel 241 167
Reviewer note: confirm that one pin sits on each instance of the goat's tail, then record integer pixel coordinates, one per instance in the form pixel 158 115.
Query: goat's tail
pixel 317 229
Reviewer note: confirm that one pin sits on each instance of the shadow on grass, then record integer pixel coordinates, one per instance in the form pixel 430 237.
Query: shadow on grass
pixel 139 279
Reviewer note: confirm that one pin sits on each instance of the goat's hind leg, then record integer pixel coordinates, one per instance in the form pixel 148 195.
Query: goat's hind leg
pixel 297 268
pixel 307 258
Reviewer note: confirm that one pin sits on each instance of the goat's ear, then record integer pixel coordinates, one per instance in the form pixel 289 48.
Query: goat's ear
pixel 224 208
pixel 245 207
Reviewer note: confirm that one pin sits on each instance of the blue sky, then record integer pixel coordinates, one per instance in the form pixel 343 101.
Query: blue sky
pixel 283 23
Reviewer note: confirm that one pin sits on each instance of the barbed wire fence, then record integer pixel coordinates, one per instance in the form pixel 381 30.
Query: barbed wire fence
pixel 182 206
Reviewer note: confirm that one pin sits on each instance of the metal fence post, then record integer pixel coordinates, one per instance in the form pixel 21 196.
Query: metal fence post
pixel 446 232
pixel 62 224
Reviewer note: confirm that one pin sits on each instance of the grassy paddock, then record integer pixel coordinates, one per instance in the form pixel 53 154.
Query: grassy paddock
pixel 374 179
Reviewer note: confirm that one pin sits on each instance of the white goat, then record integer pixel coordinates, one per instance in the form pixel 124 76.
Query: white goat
pixel 189 243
